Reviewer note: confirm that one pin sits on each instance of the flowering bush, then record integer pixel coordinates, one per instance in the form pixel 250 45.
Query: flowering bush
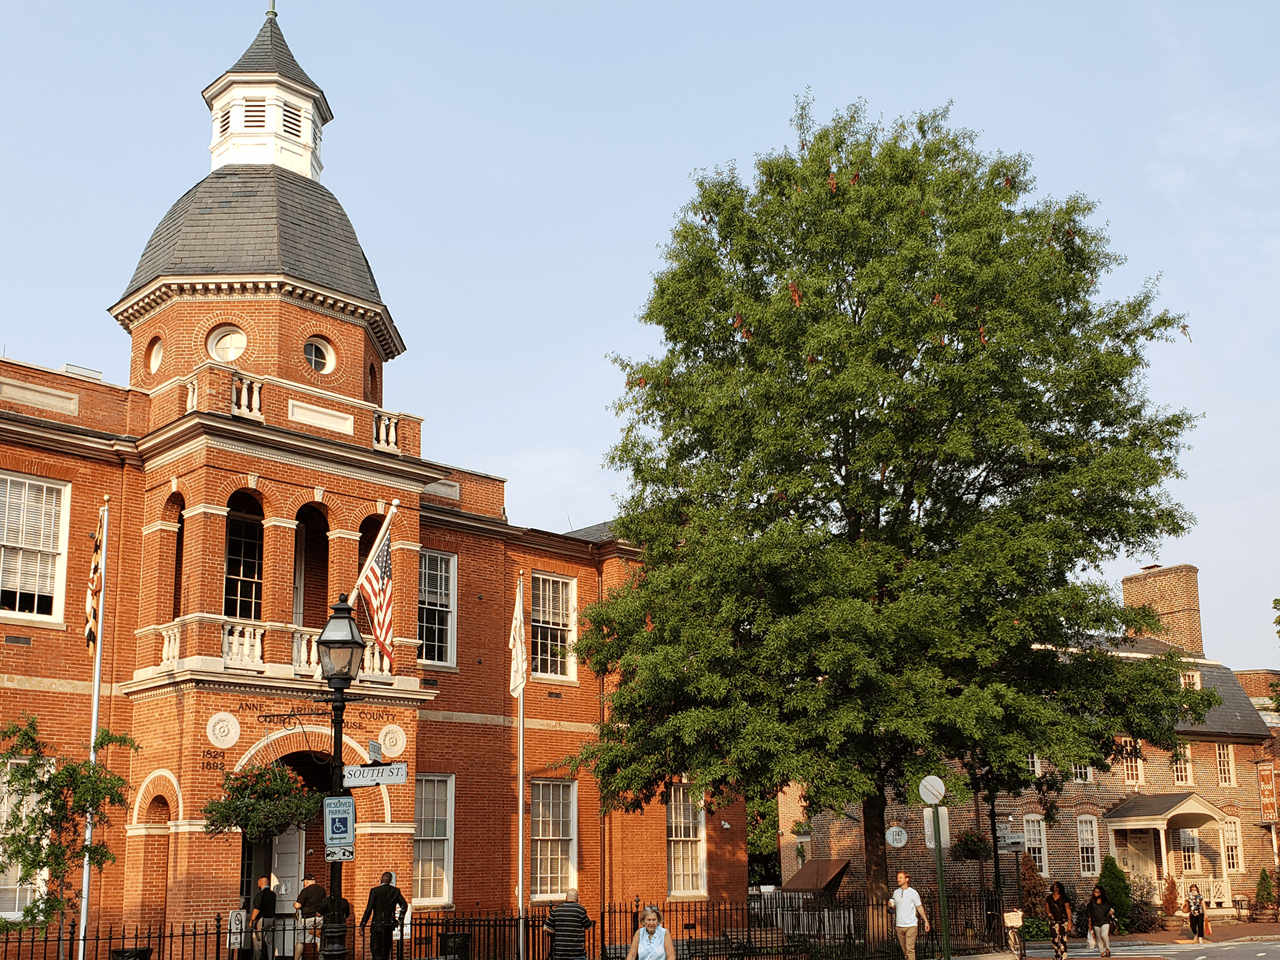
pixel 261 802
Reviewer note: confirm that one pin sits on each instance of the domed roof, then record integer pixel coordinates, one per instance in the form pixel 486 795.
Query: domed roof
pixel 258 219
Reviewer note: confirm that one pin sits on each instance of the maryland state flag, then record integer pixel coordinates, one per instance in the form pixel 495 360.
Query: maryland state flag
pixel 93 596
pixel 377 589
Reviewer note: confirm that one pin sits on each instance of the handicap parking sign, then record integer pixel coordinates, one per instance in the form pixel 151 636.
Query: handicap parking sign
pixel 339 821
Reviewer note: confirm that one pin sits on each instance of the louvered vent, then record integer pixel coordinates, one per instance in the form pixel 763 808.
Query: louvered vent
pixel 255 114
pixel 292 120
pixel 224 123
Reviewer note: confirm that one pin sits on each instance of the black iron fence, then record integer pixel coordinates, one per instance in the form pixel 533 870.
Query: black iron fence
pixel 779 926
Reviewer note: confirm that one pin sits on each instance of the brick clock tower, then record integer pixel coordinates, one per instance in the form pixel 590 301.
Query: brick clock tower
pixel 250 465
pixel 260 335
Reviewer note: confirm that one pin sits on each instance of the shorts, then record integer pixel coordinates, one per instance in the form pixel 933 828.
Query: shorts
pixel 307 929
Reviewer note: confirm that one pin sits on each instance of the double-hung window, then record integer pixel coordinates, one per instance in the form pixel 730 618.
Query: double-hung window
pixel 1190 850
pixel 242 586
pixel 33 545
pixel 1226 765
pixel 554 820
pixel 14 896
pixel 1033 830
pixel 1231 844
pixel 1081 773
pixel 433 839
pixel 437 607
pixel 1131 762
pixel 686 842
pixel 1087 835
pixel 552 626
pixel 1183 775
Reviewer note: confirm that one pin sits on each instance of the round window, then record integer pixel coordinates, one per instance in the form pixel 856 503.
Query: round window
pixel 155 354
pixel 319 355
pixel 226 343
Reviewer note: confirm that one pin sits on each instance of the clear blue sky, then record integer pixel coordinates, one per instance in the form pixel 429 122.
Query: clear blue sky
pixel 512 170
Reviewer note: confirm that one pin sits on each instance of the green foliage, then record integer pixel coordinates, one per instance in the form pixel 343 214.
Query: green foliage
pixel 1032 889
pixel 51 796
pixel 1034 928
pixel 1114 880
pixel 970 845
pixel 261 802
pixel 1144 914
pixel 1264 892
pixel 893 430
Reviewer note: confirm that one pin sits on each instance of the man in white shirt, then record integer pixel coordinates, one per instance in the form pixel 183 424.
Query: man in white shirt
pixel 907 907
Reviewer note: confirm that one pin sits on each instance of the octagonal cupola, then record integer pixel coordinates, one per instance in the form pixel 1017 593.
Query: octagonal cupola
pixel 266 110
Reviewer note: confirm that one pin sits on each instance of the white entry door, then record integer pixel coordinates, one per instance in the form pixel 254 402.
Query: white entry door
pixel 288 853
pixel 1142 855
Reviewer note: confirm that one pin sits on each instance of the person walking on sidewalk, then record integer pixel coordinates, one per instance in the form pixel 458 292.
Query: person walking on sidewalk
pixel 1059 918
pixel 1195 912
pixel 1101 916
pixel 908 910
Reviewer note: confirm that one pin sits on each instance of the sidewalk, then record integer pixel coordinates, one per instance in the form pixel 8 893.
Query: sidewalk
pixel 1222 933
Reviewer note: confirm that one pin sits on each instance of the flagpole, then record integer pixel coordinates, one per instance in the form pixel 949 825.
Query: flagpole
pixel 377 545
pixel 104 517
pixel 518 649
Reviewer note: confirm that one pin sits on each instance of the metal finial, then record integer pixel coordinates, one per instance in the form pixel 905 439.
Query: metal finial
pixel 272 12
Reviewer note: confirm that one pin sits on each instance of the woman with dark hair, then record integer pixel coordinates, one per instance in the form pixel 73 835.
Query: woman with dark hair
pixel 1059 918
pixel 1195 912
pixel 1101 916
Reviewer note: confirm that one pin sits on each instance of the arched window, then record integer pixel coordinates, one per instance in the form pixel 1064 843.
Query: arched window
pixel 242 592
pixel 176 504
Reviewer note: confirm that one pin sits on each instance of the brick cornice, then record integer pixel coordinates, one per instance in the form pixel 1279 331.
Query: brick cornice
pixel 69 439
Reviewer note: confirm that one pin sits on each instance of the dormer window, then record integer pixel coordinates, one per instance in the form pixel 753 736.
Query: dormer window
pixel 255 114
pixel 292 120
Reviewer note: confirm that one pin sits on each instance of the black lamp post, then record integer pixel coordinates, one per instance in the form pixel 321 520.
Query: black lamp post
pixel 341 650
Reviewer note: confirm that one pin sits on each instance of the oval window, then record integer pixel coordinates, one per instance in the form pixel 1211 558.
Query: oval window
pixel 226 343
pixel 319 354
pixel 155 354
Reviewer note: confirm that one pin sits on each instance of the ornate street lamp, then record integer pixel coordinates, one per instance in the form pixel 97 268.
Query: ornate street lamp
pixel 341 650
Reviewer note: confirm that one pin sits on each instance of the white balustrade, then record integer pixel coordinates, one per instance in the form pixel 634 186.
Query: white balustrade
pixel 376 663
pixel 246 397
pixel 306 652
pixel 191 396
pixel 242 644
pixel 386 430
pixel 1215 890
pixel 169 644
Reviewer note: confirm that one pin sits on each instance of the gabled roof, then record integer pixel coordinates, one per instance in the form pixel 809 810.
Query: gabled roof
pixel 1145 810
pixel 270 54
pixel 1236 718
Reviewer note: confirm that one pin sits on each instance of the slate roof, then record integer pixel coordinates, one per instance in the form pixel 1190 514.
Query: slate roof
pixel 596 533
pixel 1147 805
pixel 258 219
pixel 270 54
pixel 1237 717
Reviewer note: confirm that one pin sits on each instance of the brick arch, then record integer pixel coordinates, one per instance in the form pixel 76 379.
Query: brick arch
pixel 262 489
pixel 291 507
pixel 309 737
pixel 174 504
pixel 255 346
pixel 39 468
pixel 159 783
pixel 403 518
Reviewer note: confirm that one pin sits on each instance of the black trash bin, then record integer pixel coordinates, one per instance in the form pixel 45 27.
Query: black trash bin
pixel 131 953
pixel 455 945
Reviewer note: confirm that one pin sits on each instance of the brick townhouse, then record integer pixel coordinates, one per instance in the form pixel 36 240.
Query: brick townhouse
pixel 250 464
pixel 1202 818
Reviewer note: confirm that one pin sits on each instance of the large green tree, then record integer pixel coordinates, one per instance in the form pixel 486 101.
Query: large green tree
pixel 893 434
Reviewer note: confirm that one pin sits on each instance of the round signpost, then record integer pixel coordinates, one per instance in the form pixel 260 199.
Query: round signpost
pixel 932 790
pixel 896 837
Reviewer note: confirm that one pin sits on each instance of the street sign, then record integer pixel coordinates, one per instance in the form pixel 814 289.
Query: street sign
pixel 372 774
pixel 339 821
pixel 896 837
pixel 932 790
pixel 945 824
pixel 341 852
pixel 237 929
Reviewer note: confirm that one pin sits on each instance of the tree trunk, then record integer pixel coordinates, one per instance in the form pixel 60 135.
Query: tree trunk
pixel 874 854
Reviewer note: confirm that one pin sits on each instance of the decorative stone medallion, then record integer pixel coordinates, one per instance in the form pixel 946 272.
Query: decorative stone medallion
pixel 393 740
pixel 223 730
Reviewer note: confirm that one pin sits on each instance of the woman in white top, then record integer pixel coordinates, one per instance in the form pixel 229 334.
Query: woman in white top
pixel 651 941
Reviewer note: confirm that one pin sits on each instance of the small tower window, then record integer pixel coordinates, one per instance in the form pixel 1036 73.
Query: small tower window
pixel 292 120
pixel 255 114
pixel 226 343
pixel 155 354
pixel 319 355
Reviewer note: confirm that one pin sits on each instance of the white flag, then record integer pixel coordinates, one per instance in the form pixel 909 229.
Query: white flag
pixel 519 656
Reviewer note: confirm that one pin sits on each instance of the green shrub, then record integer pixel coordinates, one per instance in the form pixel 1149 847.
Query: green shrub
pixel 1264 894
pixel 1113 880
pixel 1144 915
pixel 1033 928
pixel 1032 889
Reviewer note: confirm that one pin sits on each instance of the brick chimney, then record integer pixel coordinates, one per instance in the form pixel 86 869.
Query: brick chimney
pixel 1174 594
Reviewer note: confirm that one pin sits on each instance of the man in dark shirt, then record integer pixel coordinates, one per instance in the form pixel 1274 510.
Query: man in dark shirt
pixel 387 906
pixel 263 921
pixel 308 907
pixel 567 923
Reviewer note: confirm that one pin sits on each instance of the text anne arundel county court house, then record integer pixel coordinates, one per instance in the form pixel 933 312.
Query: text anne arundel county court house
pixel 250 465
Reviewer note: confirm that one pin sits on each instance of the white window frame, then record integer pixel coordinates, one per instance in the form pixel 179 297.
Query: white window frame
pixel 451 657
pixel 15 547
pixel 1226 754
pixel 568 877
pixel 22 894
pixel 568 623
pixel 1189 841
pixel 1034 764
pixel 1234 855
pixel 686 839
pixel 1191 680
pixel 1131 766
pixel 1086 841
pixel 447 860
pixel 1081 773
pixel 1033 833
pixel 1184 774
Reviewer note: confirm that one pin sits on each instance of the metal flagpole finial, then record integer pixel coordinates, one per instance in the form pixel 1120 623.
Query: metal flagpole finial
pixel 272 12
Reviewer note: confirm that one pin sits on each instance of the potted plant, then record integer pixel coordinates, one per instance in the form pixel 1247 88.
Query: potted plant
pixel 970 845
pixel 1169 903
pixel 1264 898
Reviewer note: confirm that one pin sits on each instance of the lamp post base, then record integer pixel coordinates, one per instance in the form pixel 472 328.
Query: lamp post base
pixel 333 936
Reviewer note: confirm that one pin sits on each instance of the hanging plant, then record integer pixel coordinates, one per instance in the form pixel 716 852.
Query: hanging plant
pixel 802 828
pixel 261 802
pixel 970 845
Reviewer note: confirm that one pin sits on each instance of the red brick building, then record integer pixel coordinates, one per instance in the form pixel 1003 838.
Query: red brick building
pixel 1202 818
pixel 249 465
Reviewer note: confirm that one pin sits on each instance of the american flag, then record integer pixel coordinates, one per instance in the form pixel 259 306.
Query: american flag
pixel 376 587
pixel 93 596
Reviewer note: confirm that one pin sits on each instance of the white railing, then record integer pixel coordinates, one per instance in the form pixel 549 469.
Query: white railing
pixel 191 396
pixel 376 663
pixel 246 397
pixel 386 432
pixel 306 652
pixel 242 644
pixel 1215 890
pixel 169 644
